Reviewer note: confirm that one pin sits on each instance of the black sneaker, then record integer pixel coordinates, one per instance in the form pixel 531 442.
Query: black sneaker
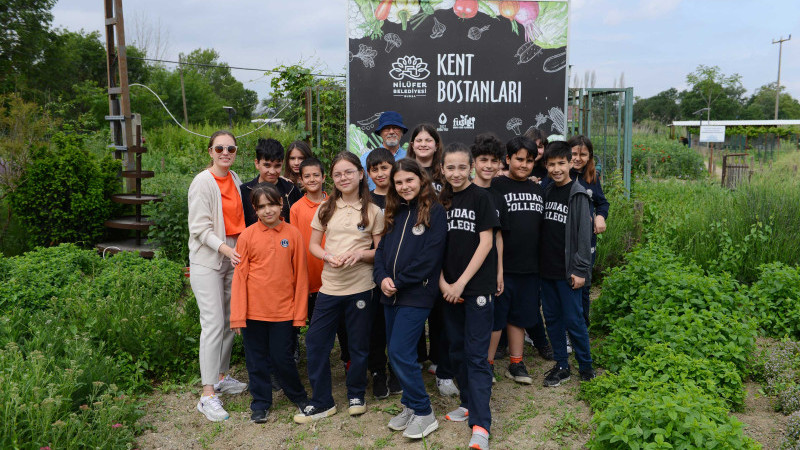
pixel 312 413
pixel 394 384
pixel 587 375
pixel 302 405
pixel 276 386
pixel 259 416
pixel 556 376
pixel 379 386
pixel 546 352
pixel 518 373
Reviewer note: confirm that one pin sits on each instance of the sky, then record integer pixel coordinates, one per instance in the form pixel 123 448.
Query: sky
pixel 654 43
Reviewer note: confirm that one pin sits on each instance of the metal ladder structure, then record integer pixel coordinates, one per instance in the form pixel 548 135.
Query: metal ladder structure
pixel 126 134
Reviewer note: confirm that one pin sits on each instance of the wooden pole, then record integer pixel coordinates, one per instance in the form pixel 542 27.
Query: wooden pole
pixel 183 91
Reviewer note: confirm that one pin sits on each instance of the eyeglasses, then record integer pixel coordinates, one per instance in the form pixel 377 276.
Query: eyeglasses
pixel 347 173
pixel 229 148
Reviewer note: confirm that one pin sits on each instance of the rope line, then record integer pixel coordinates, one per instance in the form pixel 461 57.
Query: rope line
pixel 327 75
pixel 198 134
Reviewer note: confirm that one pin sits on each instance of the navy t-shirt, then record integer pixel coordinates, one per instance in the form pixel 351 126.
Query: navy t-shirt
pixel 471 211
pixel 379 200
pixel 523 217
pixel 554 232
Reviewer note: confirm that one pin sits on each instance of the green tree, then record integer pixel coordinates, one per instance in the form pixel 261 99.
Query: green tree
pixel 662 107
pixel 25 35
pixel 710 88
pixel 229 90
pixel 761 105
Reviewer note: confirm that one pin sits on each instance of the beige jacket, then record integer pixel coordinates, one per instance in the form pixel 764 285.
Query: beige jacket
pixel 206 224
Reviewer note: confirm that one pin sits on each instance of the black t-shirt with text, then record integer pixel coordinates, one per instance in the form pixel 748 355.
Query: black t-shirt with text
pixel 523 206
pixel 471 211
pixel 437 187
pixel 554 232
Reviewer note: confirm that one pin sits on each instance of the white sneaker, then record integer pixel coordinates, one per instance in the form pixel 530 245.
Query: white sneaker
pixel 528 339
pixel 230 385
pixel 446 387
pixel 211 407
pixel 432 369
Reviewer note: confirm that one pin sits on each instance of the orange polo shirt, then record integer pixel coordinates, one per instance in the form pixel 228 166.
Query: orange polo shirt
pixel 232 211
pixel 270 283
pixel 301 215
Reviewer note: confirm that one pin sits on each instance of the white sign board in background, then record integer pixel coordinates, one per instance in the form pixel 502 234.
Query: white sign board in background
pixel 712 133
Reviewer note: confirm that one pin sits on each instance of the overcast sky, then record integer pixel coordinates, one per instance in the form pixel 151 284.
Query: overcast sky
pixel 655 43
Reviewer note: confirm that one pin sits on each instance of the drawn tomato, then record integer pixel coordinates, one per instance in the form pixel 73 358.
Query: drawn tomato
pixel 382 11
pixel 466 9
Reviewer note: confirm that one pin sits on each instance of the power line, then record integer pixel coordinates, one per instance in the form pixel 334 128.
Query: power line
pixel 326 75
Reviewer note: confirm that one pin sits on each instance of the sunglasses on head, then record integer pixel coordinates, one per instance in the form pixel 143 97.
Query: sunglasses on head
pixel 221 148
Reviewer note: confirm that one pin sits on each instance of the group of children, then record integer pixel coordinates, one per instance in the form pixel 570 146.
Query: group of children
pixel 508 250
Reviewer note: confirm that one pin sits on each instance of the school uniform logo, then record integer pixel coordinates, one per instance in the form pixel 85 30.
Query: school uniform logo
pixel 284 243
pixel 481 300
pixel 418 230
pixel 361 304
pixel 361 227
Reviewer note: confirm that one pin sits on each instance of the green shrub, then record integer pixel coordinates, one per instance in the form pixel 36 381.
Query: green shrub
pixel 665 158
pixel 171 217
pixel 624 228
pixel 676 417
pixel 782 374
pixel 33 280
pixel 64 194
pixel 661 365
pixel 776 296
pixel 713 333
pixel 792 439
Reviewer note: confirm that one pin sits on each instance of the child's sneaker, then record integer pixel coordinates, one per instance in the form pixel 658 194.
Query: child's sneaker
pixel 312 413
pixel 379 386
pixel 432 368
pixel 400 421
pixel 546 352
pixel 587 375
pixel 459 414
pixel 555 376
pixel 421 426
pixel 446 386
pixel 357 407
pixel 211 407
pixel 518 373
pixel 259 416
pixel 229 385
pixel 480 439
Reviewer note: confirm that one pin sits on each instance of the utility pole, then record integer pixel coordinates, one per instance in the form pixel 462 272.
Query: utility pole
pixel 778 86
pixel 183 91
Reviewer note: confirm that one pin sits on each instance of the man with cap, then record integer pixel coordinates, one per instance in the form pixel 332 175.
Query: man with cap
pixel 390 129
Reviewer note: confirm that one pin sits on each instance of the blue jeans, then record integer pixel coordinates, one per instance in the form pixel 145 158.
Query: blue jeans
pixel 404 324
pixel 319 342
pixel 469 328
pixel 563 311
pixel 268 349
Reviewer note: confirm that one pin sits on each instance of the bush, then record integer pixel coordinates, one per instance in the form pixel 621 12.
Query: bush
pixel 664 158
pixel 171 216
pixel 64 194
pixel 792 439
pixel 624 230
pixel 776 296
pixel 677 417
pixel 713 333
pixel 782 375
pixel 661 365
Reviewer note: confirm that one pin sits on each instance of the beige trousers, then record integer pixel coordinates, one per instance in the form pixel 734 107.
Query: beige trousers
pixel 212 290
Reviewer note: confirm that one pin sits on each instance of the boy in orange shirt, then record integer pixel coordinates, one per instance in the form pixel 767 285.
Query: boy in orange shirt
pixel 269 299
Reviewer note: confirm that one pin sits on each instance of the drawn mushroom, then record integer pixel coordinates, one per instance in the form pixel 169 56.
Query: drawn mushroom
pixel 475 33
pixel 392 41
pixel 513 124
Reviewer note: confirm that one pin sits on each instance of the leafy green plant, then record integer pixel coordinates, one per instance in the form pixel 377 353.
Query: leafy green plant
pixel 781 370
pixel 676 417
pixel 792 439
pixel 659 364
pixel 64 193
pixel 776 296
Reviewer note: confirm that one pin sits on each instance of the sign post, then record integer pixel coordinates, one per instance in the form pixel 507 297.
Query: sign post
pixel 711 134
pixel 466 67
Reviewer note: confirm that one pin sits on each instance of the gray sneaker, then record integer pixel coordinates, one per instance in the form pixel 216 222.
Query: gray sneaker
pixel 421 426
pixel 400 421
pixel 229 385
pixel 459 414
pixel 446 387
pixel 211 407
pixel 479 441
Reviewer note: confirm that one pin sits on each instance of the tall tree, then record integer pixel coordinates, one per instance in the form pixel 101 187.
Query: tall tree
pixel 25 34
pixel 710 88
pixel 761 105
pixel 662 107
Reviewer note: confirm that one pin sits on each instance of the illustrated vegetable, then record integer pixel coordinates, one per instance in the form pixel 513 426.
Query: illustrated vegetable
pixel 382 11
pixel 527 52
pixel 475 33
pixel 402 11
pixel 366 54
pixel 438 29
pixel 466 9
pixel 392 41
pixel 526 16
pixel 555 62
pixel 362 21
pixel 509 9
pixel 513 124
pixel 552 22
pixel 558 118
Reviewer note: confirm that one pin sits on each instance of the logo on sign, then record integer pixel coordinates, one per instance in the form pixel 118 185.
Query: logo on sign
pixel 409 71
pixel 464 122
pixel 442 123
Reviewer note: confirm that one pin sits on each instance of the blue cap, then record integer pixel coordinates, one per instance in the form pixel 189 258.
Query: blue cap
pixel 390 118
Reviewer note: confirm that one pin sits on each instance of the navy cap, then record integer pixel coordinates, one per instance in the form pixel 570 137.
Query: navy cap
pixel 390 118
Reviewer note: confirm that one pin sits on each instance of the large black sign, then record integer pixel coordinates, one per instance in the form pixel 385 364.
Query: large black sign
pixel 466 66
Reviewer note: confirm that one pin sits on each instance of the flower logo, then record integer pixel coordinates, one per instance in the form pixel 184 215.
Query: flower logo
pixel 409 67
